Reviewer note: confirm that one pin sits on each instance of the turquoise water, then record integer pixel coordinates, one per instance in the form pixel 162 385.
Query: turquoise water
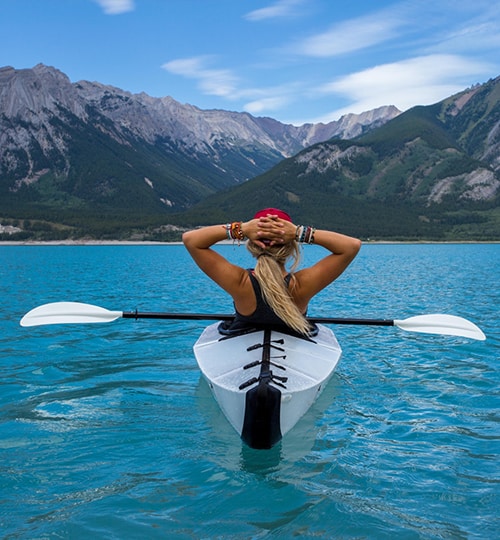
pixel 107 431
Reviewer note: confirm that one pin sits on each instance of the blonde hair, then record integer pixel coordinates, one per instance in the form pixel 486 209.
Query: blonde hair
pixel 268 271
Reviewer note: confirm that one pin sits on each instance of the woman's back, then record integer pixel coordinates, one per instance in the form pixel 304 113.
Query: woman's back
pixel 273 240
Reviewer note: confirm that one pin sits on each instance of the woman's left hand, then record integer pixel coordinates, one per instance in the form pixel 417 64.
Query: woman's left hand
pixel 269 231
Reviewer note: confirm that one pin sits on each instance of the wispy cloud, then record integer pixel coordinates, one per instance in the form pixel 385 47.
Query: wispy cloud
pixel 421 80
pixel 351 35
pixel 269 99
pixel 216 82
pixel 431 57
pixel 471 38
pixel 223 83
pixel 260 106
pixel 115 7
pixel 279 9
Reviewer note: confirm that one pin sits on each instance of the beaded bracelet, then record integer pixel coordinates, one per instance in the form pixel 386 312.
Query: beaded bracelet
pixel 305 234
pixel 234 231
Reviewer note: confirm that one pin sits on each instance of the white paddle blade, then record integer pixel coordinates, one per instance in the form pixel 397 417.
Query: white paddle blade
pixel 68 312
pixel 437 323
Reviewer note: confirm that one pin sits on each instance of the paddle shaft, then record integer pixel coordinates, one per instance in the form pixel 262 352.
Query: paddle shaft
pixel 226 317
pixel 76 312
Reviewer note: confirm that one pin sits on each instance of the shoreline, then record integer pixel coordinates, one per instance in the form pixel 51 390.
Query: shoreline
pixel 86 243
pixel 223 242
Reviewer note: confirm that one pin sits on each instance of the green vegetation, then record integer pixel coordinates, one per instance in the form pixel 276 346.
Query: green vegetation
pixel 403 181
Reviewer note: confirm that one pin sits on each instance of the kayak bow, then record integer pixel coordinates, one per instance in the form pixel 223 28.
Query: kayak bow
pixel 265 381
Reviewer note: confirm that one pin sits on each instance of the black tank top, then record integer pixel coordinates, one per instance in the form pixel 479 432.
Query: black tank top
pixel 262 316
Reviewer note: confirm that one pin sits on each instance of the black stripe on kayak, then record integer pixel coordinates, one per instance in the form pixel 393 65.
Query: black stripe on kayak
pixel 261 425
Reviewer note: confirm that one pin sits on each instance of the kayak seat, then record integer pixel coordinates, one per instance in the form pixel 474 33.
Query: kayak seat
pixel 234 329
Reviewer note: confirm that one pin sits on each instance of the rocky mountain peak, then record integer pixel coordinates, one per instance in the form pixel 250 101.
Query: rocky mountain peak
pixel 31 91
pixel 39 95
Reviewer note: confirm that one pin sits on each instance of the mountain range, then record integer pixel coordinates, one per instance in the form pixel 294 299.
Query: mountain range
pixel 84 143
pixel 432 172
pixel 88 159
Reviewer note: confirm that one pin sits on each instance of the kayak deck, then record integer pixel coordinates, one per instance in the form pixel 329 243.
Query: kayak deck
pixel 261 378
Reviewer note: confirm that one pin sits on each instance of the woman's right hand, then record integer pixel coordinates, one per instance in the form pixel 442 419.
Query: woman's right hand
pixel 271 228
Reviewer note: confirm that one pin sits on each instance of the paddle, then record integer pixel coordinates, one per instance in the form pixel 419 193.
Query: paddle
pixel 76 312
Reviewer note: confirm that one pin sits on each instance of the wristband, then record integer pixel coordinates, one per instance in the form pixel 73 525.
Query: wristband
pixel 305 234
pixel 234 231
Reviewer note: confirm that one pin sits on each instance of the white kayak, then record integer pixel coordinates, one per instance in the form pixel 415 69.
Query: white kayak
pixel 266 380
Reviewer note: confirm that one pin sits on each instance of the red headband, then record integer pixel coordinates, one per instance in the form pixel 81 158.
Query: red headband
pixel 273 212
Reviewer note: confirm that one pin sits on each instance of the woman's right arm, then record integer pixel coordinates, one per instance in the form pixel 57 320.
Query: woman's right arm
pixel 199 243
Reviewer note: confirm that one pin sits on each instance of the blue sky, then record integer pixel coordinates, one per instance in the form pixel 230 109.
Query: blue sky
pixel 296 61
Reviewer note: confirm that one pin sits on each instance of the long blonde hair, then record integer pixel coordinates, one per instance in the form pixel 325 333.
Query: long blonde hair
pixel 268 271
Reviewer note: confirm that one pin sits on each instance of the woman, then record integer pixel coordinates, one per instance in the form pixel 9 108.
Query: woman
pixel 270 294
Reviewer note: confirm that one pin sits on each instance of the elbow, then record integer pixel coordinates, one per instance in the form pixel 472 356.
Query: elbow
pixel 357 245
pixel 193 241
pixel 187 239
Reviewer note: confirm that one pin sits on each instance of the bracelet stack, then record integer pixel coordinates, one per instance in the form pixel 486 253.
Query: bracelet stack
pixel 234 231
pixel 305 234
